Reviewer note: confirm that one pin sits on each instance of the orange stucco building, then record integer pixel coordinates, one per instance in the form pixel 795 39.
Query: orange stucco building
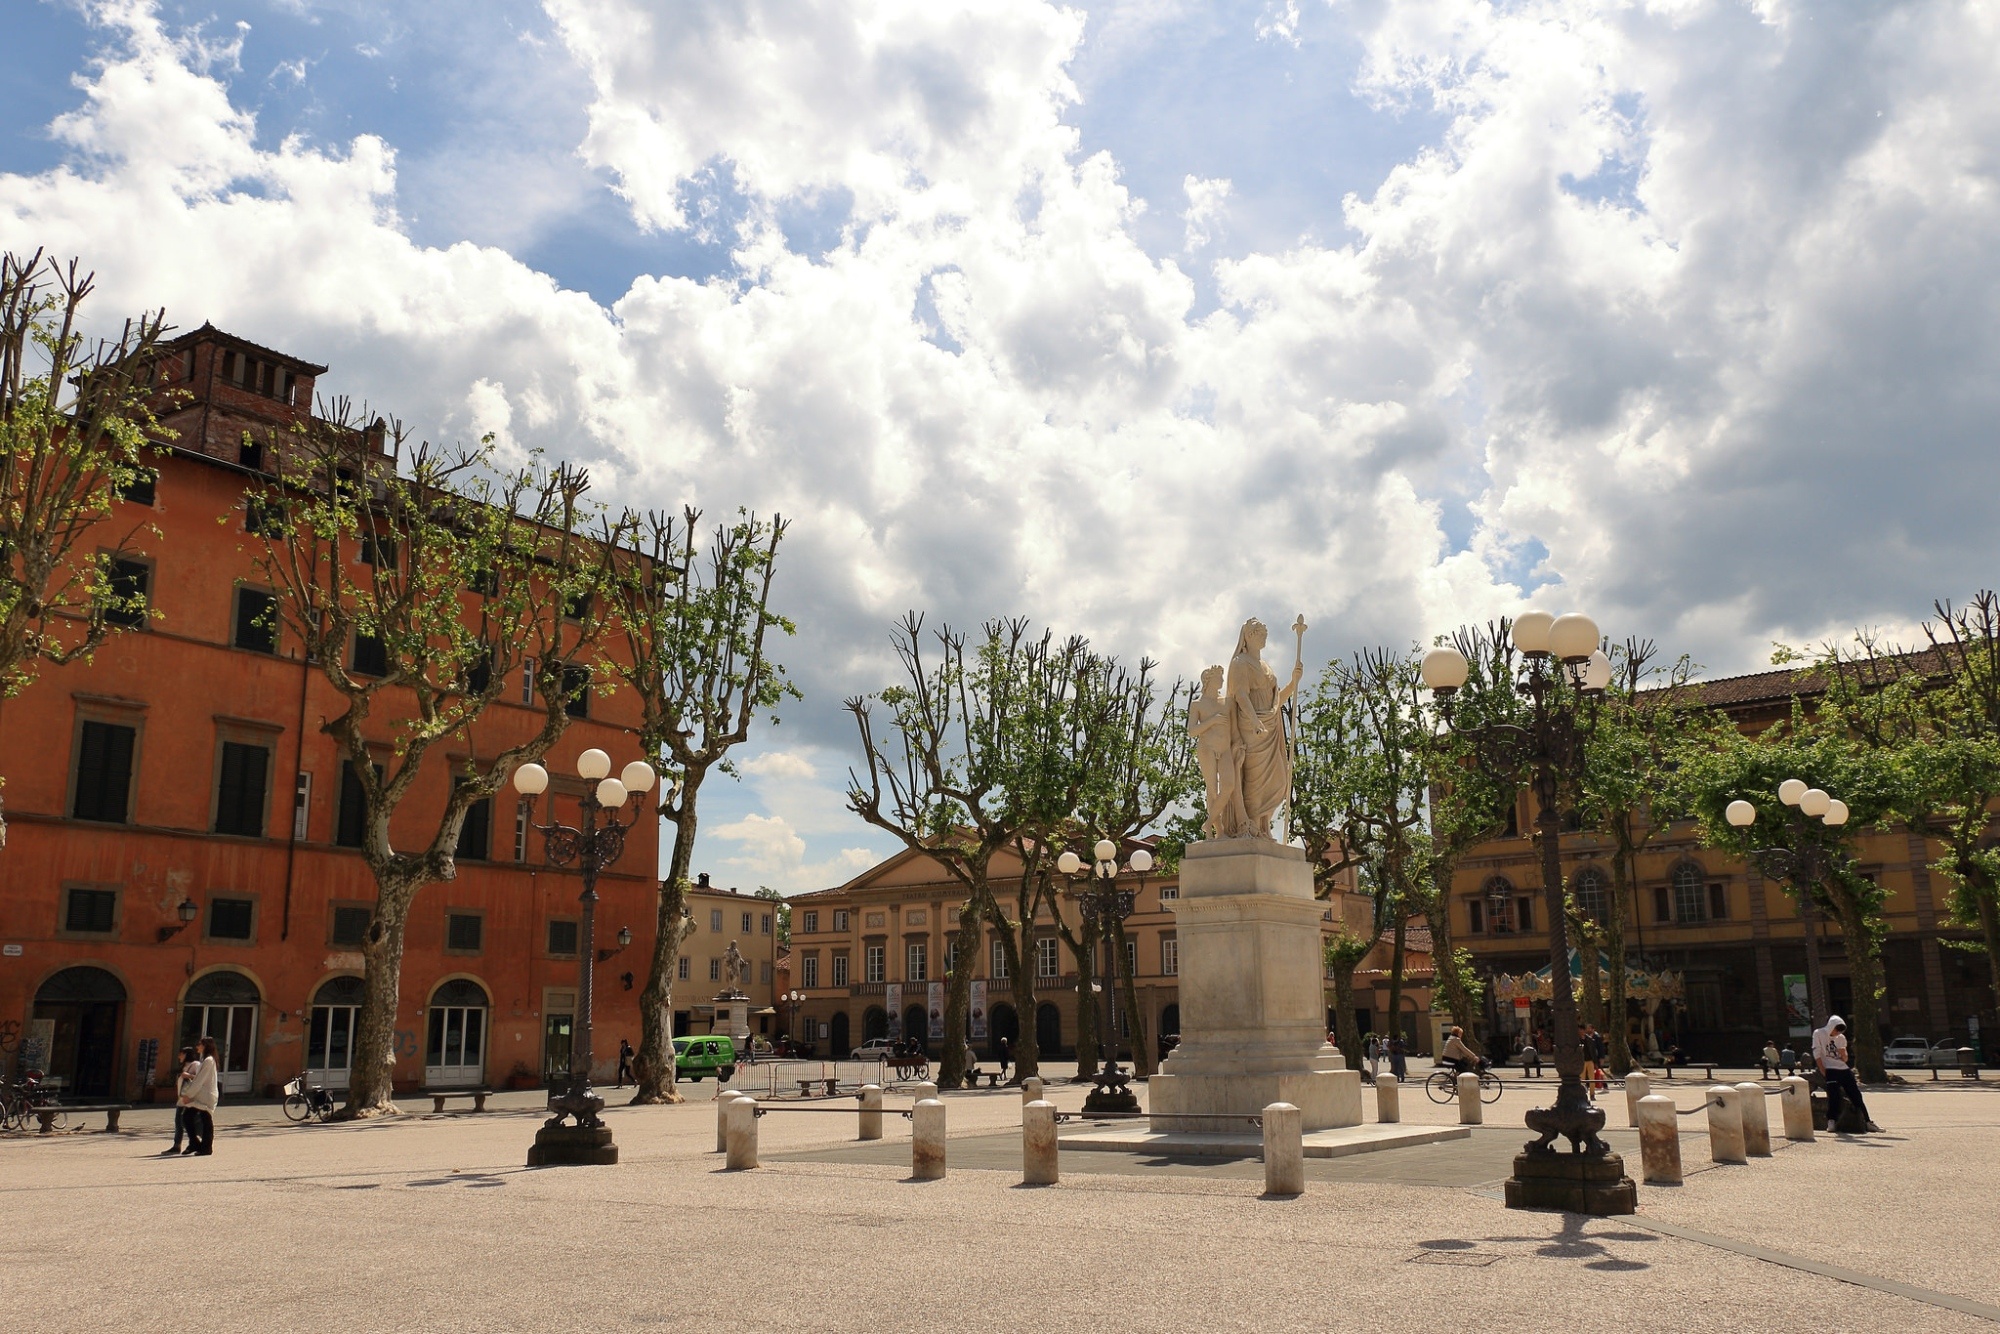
pixel 183 774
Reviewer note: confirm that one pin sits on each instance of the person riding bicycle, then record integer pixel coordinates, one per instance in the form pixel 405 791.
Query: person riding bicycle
pixel 1459 1056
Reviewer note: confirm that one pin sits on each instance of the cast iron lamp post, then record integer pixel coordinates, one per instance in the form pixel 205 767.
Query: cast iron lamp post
pixel 1561 678
pixel 795 999
pixel 592 846
pixel 1805 862
pixel 1108 905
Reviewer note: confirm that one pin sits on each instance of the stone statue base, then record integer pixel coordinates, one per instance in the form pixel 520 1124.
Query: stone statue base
pixel 1252 997
pixel 732 1016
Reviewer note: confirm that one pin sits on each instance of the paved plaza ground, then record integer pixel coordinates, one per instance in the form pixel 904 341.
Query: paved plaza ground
pixel 430 1222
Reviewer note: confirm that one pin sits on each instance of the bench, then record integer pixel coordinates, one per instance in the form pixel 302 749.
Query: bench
pixel 806 1086
pixel 478 1097
pixel 47 1115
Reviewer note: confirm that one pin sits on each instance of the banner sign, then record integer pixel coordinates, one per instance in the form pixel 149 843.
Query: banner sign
pixel 892 999
pixel 1798 1005
pixel 936 1007
pixel 978 1030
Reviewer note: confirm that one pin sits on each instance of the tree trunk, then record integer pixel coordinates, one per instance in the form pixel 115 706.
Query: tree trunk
pixel 1989 929
pixel 952 1061
pixel 1614 946
pixel 1017 946
pixel 1445 966
pixel 1864 969
pixel 1397 957
pixel 1346 1028
pixel 371 1081
pixel 1083 948
pixel 653 1063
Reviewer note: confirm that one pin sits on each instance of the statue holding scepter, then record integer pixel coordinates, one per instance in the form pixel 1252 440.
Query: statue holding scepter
pixel 1257 704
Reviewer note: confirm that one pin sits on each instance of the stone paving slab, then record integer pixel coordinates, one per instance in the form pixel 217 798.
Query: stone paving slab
pixel 1340 1143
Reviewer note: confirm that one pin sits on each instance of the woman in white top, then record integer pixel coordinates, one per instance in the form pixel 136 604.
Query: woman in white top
pixel 203 1092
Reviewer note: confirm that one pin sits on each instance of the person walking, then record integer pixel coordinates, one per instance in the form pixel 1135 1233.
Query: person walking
pixel 1399 1056
pixel 1006 1058
pixel 1767 1060
pixel 189 1066
pixel 1830 1050
pixel 625 1062
pixel 204 1092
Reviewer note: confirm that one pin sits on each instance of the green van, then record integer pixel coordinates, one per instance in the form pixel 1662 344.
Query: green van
pixel 695 1057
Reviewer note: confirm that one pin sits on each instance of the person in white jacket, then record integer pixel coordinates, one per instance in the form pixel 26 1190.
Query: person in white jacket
pixel 204 1091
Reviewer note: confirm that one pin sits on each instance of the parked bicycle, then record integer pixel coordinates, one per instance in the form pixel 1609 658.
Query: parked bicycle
pixel 25 1101
pixel 302 1103
pixel 1442 1086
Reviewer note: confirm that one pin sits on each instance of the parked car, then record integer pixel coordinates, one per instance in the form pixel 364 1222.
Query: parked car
pixel 1907 1053
pixel 1945 1054
pixel 697 1057
pixel 876 1049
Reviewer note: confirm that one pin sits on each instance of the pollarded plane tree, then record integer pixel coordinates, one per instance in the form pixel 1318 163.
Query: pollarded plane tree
pixel 76 428
pixel 423 590
pixel 695 625
pixel 943 774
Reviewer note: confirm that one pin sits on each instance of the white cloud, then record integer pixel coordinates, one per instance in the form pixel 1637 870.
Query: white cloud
pixel 779 764
pixel 1667 298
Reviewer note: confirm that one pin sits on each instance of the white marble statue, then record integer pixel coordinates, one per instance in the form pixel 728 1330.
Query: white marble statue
pixel 1238 726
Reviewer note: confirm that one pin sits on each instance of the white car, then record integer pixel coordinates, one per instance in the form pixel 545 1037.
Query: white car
pixel 881 1049
pixel 1906 1053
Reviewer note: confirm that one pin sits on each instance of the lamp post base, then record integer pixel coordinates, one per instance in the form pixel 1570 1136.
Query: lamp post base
pixel 1581 1183
pixel 573 1146
pixel 1109 1095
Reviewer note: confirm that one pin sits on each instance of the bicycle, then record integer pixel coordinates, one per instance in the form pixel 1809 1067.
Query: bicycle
pixel 302 1103
pixel 1442 1086
pixel 25 1101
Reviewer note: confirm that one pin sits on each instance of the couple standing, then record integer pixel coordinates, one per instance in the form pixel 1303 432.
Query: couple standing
pixel 197 1090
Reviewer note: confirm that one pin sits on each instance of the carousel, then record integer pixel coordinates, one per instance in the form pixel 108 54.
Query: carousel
pixel 1523 999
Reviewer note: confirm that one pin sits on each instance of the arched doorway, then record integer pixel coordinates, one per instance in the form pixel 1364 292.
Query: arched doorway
pixel 916 1024
pixel 874 1024
pixel 84 1005
pixel 456 1053
pixel 223 1005
pixel 837 1041
pixel 1048 1029
pixel 1002 1022
pixel 1170 1029
pixel 330 1037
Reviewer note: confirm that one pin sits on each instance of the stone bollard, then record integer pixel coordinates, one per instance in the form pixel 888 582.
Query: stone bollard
pixel 927 1092
pixel 1725 1125
pixel 1038 1144
pixel 723 1098
pixel 1795 1100
pixel 1388 1098
pixel 1031 1090
pixel 1638 1085
pixel 1469 1113
pixel 1660 1140
pixel 871 1112
pixel 742 1114
pixel 927 1141
pixel 1756 1121
pixel 1284 1150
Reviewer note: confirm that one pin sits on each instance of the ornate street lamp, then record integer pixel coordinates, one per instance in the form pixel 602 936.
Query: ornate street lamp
pixel 592 846
pixel 1108 905
pixel 1560 680
pixel 1805 862
pixel 795 999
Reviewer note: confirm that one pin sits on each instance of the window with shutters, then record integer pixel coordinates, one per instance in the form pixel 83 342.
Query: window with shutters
pixel 464 932
pixel 351 820
pixel 914 961
pixel 379 551
pixel 1690 893
pixel 348 928
pixel 715 919
pixel 138 486
pixel 877 964
pixel 88 911
pixel 232 919
pixel 808 923
pixel 576 690
pixel 999 970
pixel 1170 956
pixel 1591 891
pixel 1718 902
pixel 715 970
pixel 682 970
pixel 746 924
pixel 1475 917
pixel 840 970
pixel 475 836
pixel 241 785
pixel 128 588
pixel 371 655
pixel 103 783
pixel 563 937
pixel 840 919
pixel 809 971
pixel 1500 905
pixel 1047 964
pixel 264 517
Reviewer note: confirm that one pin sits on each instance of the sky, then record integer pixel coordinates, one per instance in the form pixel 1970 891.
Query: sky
pixel 1135 318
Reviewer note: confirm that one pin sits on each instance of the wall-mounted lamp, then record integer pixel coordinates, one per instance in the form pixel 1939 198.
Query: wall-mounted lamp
pixel 187 912
pixel 624 939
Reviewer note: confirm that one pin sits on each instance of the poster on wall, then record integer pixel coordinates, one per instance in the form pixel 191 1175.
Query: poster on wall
pixel 978 1028
pixel 892 997
pixel 36 1043
pixel 935 1005
pixel 1798 1006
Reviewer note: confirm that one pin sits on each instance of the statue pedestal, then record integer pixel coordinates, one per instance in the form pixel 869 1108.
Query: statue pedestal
pixel 732 1016
pixel 1252 996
